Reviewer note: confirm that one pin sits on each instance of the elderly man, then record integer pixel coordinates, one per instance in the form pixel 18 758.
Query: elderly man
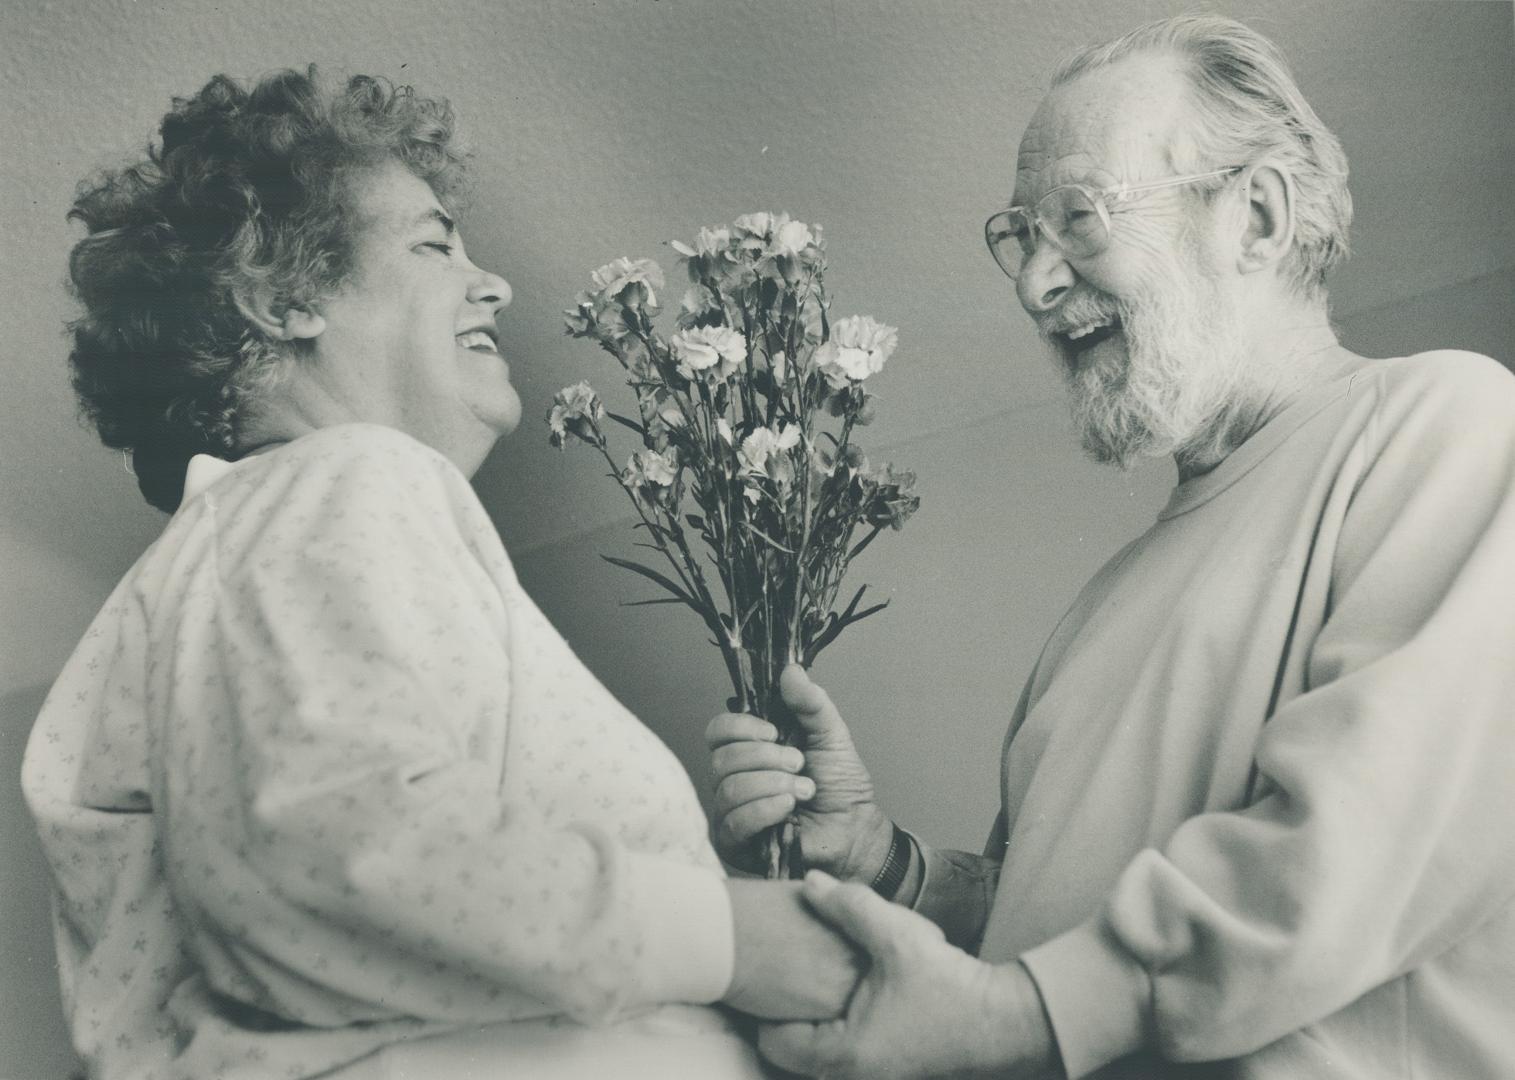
pixel 1258 792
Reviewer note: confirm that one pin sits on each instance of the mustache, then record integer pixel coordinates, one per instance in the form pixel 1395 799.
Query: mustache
pixel 1080 310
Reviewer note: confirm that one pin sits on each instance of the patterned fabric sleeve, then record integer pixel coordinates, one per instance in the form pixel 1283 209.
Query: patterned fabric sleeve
pixel 336 686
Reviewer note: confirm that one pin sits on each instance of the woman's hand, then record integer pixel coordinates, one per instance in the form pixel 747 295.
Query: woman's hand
pixel 789 964
pixel 760 783
pixel 924 1008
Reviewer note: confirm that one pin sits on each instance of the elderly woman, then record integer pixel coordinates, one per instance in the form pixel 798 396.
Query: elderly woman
pixel 323 791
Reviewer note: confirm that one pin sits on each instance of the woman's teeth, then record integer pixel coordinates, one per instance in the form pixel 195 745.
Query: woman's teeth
pixel 477 339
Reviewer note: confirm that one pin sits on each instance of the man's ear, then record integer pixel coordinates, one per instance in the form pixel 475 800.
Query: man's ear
pixel 1269 231
pixel 278 320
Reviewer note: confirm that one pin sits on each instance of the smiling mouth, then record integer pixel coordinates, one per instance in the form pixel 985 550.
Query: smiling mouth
pixel 1081 339
pixel 479 341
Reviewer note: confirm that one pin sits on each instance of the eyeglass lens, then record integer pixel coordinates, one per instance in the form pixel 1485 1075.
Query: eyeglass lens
pixel 1072 221
pixel 1067 216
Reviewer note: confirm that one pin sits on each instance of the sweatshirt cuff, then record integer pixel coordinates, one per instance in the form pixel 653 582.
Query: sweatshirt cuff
pixel 935 897
pixel 688 941
pixel 1097 996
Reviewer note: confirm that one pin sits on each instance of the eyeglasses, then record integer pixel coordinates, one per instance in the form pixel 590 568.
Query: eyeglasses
pixel 1072 216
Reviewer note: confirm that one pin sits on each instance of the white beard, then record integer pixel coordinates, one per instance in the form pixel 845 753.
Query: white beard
pixel 1176 388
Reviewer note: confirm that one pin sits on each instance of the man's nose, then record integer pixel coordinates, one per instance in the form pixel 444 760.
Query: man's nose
pixel 1045 276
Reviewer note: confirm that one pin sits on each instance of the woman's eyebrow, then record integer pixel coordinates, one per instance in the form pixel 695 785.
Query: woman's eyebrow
pixel 436 215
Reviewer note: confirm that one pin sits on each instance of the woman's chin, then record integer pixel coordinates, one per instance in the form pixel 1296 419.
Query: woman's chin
pixel 504 415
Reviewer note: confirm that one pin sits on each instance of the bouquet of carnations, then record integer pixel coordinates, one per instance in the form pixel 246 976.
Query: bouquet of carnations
pixel 745 415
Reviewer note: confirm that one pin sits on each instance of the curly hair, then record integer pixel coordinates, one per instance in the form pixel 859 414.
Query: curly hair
pixel 246 191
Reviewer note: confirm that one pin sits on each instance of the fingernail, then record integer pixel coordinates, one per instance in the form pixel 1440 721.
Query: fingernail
pixel 805 788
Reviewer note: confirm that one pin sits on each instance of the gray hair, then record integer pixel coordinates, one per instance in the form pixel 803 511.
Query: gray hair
pixel 1249 107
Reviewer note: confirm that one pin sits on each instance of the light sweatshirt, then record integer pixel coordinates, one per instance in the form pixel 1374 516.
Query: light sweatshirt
pixel 1259 797
pixel 321 778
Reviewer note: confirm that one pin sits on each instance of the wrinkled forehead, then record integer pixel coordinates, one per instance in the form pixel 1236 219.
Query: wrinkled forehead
pixel 1116 124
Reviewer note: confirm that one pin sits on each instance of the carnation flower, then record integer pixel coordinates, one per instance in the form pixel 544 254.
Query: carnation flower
pixel 792 237
pixel 574 413
pixel 660 415
pixel 631 281
pixel 708 242
pixel 655 468
pixel 698 301
pixel 857 348
pixel 778 243
pixel 711 352
pixel 891 497
pixel 595 316
pixel 855 460
pixel 822 462
pixel 766 453
pixel 758 224
pixel 649 476
pixel 764 443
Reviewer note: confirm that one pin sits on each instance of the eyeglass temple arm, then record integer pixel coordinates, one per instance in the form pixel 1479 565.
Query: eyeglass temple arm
pixel 1173 181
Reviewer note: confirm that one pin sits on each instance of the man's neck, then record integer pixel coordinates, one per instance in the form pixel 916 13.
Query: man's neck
pixel 1297 352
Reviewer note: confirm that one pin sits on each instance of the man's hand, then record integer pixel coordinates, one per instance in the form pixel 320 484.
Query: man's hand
pixel 789 964
pixel 924 1009
pixel 759 784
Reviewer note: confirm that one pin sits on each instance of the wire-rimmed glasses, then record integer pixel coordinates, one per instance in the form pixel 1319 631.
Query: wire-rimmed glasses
pixel 1074 217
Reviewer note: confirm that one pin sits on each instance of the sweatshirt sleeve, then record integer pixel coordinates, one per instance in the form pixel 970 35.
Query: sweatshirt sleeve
pixel 1380 835
pixel 330 774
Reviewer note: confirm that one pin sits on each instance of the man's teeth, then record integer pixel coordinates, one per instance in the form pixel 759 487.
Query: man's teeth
pixel 1085 331
pixel 477 339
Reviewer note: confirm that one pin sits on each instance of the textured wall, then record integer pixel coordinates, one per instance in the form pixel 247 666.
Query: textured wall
pixel 608 128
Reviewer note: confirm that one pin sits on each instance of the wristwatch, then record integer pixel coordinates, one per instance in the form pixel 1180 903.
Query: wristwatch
pixel 892 874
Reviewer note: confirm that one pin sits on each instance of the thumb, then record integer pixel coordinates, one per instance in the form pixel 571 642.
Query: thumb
pixel 812 707
pixel 871 922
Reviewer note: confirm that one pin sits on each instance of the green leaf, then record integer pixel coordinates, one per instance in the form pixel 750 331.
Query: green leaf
pixel 835 626
pixel 861 615
pixel 626 422
pixel 765 537
pixel 852 605
pixel 857 549
pixel 824 638
pixel 652 575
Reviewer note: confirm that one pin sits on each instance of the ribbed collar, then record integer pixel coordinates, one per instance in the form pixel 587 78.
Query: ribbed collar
pixel 1307 404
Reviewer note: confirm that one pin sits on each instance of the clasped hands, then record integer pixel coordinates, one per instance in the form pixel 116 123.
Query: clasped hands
pixel 864 988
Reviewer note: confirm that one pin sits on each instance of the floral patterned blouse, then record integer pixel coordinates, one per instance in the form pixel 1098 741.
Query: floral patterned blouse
pixel 321 778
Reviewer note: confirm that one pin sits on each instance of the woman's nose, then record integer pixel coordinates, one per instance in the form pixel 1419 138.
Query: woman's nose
pixel 1045 276
pixel 491 289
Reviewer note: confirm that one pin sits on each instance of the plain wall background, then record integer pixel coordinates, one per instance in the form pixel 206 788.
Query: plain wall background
pixel 608 128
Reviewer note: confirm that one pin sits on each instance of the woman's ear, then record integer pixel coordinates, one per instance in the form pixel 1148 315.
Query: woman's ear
pixel 1269 231
pixel 277 320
